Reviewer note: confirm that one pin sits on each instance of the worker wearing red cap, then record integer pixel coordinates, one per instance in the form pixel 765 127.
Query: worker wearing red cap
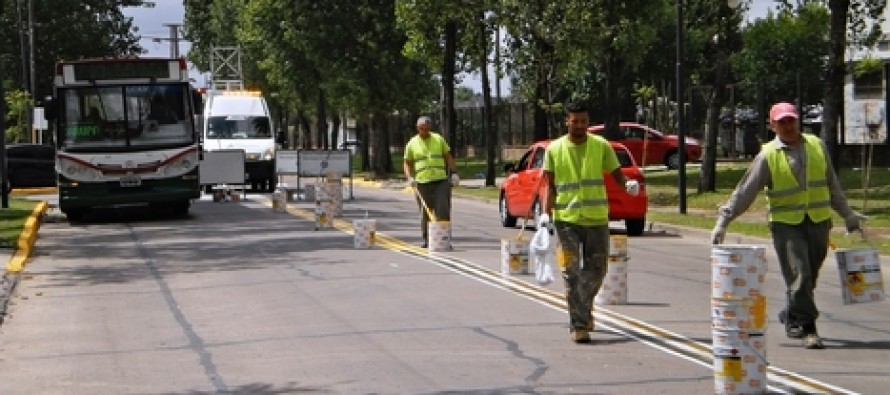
pixel 801 190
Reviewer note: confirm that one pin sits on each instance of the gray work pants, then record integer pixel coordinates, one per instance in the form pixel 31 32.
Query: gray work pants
pixel 585 252
pixel 801 250
pixel 437 195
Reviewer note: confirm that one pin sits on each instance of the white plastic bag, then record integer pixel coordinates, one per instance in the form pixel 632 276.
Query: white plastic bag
pixel 543 248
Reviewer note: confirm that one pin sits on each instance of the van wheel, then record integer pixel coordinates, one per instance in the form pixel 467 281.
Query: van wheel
pixel 507 220
pixel 635 227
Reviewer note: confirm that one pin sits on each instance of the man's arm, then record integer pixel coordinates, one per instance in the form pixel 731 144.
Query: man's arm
pixel 449 161
pixel 549 193
pixel 408 168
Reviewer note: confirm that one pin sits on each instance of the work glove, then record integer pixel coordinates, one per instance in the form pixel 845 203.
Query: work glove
pixel 543 221
pixel 854 222
pixel 455 179
pixel 718 234
pixel 412 182
pixel 632 187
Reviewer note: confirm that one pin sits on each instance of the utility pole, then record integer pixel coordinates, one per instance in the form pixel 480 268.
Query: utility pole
pixel 174 38
pixel 4 177
pixel 29 112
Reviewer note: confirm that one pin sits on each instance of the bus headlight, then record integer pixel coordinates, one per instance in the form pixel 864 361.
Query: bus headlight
pixel 269 154
pixel 78 171
pixel 181 165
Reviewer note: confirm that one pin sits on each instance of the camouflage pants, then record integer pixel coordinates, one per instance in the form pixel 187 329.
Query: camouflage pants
pixel 583 256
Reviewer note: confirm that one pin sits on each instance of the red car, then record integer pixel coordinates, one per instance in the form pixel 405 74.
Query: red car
pixel 522 188
pixel 659 148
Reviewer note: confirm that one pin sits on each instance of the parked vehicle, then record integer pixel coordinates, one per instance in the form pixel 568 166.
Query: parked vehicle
pixel 242 120
pixel 659 148
pixel 31 165
pixel 521 191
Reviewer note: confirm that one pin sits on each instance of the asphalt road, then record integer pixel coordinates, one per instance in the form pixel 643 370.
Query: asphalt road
pixel 239 298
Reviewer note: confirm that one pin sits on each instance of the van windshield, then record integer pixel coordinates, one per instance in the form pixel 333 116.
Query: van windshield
pixel 238 127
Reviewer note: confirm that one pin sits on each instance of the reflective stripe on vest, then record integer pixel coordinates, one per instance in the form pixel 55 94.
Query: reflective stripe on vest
pixel 787 200
pixel 579 199
pixel 429 159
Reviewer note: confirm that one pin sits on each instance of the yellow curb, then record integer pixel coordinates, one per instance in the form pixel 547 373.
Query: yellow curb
pixel 26 240
pixel 33 191
pixel 370 184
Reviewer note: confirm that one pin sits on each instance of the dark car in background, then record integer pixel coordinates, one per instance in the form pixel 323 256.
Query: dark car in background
pixel 31 165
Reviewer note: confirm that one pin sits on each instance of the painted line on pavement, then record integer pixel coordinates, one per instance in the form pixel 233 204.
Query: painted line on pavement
pixel 779 380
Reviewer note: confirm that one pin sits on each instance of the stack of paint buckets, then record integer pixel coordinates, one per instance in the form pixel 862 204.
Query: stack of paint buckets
pixel 333 187
pixel 364 232
pixel 860 275
pixel 614 289
pixel 514 256
pixel 738 309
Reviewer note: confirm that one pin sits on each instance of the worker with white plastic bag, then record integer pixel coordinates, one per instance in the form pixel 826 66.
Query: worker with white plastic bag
pixel 543 247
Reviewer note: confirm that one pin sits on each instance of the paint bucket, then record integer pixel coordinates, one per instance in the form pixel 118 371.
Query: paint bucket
pixel 514 256
pixel 737 271
pixel 279 201
pixel 860 274
pixel 323 218
pixel 335 192
pixel 364 231
pixel 439 233
pixel 731 313
pixel 738 367
pixel 614 288
pixel 617 247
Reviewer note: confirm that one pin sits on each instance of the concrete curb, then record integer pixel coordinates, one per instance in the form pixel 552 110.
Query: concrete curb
pixel 20 256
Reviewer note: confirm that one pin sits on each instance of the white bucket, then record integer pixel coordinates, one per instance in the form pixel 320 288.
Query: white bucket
pixel 439 233
pixel 514 256
pixel 617 247
pixel 323 217
pixel 364 232
pixel 738 367
pixel 737 271
pixel 334 192
pixel 614 288
pixel 860 275
pixel 731 313
pixel 279 201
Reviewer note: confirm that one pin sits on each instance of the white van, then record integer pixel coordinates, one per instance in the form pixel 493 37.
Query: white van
pixel 241 120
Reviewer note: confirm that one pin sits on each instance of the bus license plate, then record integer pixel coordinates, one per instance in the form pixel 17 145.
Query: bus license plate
pixel 130 181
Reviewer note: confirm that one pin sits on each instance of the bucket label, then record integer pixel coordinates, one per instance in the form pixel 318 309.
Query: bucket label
pixel 730 367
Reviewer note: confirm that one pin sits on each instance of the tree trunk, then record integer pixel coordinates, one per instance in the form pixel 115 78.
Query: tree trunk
pixel 449 118
pixel 321 121
pixel 335 130
pixel 488 127
pixel 834 79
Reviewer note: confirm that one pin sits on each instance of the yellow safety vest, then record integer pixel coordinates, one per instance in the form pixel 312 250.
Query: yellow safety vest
pixel 580 190
pixel 788 201
pixel 428 156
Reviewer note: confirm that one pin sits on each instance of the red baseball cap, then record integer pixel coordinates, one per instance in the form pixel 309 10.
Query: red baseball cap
pixel 782 110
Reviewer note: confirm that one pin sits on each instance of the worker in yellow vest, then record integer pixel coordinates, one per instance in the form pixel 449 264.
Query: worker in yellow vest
pixel 801 190
pixel 574 167
pixel 427 164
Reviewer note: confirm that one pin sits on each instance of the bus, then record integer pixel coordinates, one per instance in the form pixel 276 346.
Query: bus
pixel 125 134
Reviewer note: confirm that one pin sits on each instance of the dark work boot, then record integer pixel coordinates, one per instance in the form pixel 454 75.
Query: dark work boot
pixel 792 330
pixel 811 339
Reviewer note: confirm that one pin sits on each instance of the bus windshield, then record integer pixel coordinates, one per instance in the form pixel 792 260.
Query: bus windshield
pixel 126 117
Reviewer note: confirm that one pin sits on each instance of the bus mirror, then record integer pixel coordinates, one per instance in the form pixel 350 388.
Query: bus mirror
pixel 197 101
pixel 49 109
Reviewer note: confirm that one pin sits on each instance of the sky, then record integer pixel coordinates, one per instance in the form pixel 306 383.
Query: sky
pixel 151 23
